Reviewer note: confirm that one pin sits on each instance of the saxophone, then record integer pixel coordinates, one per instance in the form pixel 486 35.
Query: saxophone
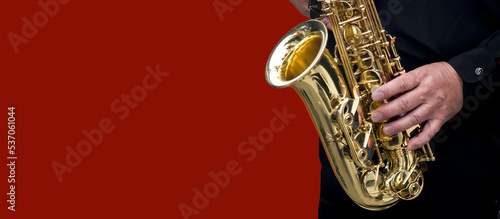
pixel 374 169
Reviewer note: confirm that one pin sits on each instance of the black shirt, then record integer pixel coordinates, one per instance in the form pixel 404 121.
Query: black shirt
pixel 464 181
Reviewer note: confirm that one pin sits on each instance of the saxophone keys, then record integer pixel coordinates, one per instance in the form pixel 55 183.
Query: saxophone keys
pixel 393 142
pixel 407 185
pixel 353 35
pixel 373 183
pixel 369 79
pixel 366 59
pixel 346 11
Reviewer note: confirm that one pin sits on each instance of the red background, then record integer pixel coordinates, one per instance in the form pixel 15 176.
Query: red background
pixel 65 78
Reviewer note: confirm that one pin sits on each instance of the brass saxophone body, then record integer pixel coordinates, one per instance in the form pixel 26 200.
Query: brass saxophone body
pixel 374 169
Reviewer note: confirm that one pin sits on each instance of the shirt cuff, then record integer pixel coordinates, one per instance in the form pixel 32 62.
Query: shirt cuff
pixel 473 65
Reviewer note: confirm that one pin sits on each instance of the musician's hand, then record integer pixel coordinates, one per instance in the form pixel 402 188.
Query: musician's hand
pixel 303 7
pixel 431 93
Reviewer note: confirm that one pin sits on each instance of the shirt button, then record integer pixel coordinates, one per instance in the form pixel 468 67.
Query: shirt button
pixel 479 71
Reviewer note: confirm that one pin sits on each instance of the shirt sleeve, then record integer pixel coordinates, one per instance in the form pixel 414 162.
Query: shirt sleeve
pixel 479 69
pixel 477 63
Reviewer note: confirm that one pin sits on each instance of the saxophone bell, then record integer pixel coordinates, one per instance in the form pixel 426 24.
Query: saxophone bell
pixel 375 170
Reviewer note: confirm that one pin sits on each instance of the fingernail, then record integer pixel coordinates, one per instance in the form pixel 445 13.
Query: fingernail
pixel 378 96
pixel 388 130
pixel 376 116
pixel 412 145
